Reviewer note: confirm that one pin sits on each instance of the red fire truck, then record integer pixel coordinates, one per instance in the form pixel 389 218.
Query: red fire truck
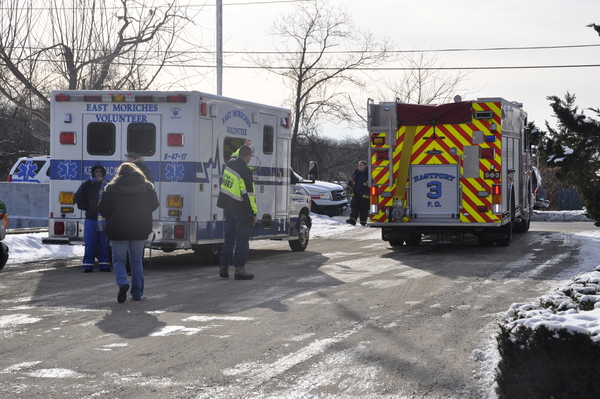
pixel 450 169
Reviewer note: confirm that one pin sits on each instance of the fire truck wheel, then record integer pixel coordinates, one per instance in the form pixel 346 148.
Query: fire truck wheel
pixel 506 231
pixel 210 252
pixel 523 227
pixel 484 241
pixel 413 240
pixel 303 234
pixel 396 243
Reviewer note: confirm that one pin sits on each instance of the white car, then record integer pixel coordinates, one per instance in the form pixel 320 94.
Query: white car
pixel 30 170
pixel 326 198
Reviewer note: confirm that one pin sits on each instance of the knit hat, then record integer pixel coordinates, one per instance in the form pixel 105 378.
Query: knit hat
pixel 132 155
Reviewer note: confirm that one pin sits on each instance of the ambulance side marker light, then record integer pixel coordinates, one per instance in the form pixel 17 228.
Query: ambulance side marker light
pixel 67 138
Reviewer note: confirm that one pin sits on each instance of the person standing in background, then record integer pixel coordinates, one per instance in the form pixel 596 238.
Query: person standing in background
pixel 87 197
pixel 127 204
pixel 138 161
pixel 358 188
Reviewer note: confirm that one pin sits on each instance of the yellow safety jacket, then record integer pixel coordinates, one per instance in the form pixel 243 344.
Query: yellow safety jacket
pixel 237 188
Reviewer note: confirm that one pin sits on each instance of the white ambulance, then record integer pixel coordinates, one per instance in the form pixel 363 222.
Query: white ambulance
pixel 185 138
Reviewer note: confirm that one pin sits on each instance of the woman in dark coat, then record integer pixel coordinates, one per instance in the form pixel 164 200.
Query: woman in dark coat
pixel 127 204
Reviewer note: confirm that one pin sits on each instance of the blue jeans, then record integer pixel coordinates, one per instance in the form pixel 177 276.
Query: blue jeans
pixel 237 234
pixel 136 254
pixel 96 246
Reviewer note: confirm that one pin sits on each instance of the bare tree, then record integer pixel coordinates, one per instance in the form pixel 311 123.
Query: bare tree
pixel 319 58
pixel 422 81
pixel 84 44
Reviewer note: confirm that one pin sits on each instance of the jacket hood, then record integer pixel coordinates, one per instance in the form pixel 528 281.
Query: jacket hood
pixel 96 166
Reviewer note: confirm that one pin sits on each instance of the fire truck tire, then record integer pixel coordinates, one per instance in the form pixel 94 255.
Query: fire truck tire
pixel 210 252
pixel 484 241
pixel 303 234
pixel 413 240
pixel 523 227
pixel 506 231
pixel 396 243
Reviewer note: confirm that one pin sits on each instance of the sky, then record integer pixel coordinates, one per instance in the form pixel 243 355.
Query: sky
pixel 488 34
pixel 28 247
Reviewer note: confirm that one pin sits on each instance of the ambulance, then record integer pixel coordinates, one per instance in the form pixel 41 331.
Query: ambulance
pixel 450 169
pixel 185 138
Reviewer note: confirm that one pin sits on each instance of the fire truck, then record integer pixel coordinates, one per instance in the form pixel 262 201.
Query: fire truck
pixel 449 169
pixel 185 139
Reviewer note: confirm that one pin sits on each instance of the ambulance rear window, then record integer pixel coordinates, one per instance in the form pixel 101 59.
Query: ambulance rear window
pixel 101 138
pixel 141 138
pixel 268 137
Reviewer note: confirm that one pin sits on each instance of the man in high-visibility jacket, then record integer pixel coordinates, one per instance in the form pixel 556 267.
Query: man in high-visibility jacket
pixel 239 209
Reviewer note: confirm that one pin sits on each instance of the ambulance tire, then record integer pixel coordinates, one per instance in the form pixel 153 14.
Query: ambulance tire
pixel 210 252
pixel 3 255
pixel 396 243
pixel 413 240
pixel 303 229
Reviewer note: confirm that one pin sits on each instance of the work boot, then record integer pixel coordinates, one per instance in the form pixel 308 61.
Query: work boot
pixel 242 274
pixel 351 221
pixel 224 272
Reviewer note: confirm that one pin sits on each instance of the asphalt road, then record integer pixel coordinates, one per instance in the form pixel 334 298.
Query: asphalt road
pixel 351 317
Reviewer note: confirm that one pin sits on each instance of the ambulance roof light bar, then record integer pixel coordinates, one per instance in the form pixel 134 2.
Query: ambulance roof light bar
pixel 115 98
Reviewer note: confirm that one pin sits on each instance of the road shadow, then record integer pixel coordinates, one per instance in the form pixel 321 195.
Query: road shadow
pixel 130 323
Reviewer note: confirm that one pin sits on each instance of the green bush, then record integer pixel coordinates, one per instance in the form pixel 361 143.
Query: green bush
pixel 541 363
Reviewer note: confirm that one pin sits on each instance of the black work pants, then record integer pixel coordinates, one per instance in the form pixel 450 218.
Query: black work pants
pixel 359 207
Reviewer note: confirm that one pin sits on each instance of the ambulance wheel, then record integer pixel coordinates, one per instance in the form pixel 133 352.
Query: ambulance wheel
pixel 396 243
pixel 3 255
pixel 210 252
pixel 303 234
pixel 413 240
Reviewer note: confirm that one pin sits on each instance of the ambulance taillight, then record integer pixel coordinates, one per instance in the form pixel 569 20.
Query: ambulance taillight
pixel 175 140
